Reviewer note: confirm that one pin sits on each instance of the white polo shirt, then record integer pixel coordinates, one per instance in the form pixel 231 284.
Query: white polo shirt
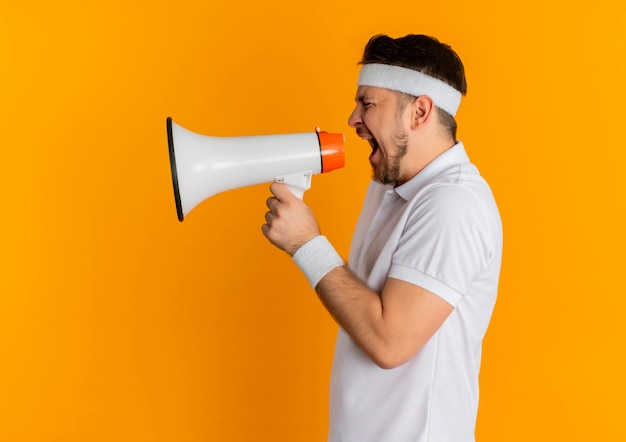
pixel 441 231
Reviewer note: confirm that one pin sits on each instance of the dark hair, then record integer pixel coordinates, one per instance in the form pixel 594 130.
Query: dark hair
pixel 421 53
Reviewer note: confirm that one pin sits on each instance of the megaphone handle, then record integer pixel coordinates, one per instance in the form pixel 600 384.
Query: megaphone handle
pixel 297 182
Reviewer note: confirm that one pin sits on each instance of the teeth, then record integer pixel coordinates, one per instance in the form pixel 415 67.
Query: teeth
pixel 366 137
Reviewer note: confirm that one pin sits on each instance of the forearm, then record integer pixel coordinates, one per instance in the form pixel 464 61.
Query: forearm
pixel 391 327
pixel 380 324
pixel 358 310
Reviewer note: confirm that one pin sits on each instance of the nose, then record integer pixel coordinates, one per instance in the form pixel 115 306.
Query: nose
pixel 355 118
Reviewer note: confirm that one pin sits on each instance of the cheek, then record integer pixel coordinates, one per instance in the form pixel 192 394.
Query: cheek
pixel 373 125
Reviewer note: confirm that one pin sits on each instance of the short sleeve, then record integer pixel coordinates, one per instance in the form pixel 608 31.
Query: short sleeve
pixel 446 243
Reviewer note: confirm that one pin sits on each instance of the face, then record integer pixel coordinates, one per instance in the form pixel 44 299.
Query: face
pixel 377 119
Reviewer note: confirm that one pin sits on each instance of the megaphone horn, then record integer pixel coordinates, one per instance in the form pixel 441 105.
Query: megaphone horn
pixel 203 166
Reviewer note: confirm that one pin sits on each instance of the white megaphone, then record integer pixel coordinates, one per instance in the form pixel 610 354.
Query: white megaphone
pixel 203 166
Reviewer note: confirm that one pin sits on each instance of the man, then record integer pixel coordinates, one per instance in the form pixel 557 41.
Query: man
pixel 414 303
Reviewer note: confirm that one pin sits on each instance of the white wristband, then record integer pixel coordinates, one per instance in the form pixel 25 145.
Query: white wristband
pixel 316 258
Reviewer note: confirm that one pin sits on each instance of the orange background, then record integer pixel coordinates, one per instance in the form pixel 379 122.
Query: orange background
pixel 117 322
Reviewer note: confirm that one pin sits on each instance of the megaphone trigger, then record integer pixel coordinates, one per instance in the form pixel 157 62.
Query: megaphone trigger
pixel 298 183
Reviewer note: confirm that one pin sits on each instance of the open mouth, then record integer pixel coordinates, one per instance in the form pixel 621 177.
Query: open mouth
pixel 374 145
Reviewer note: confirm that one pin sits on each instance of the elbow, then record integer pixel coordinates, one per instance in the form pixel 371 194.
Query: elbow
pixel 387 365
pixel 389 358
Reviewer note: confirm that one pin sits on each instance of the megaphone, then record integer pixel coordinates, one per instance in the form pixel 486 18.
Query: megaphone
pixel 203 166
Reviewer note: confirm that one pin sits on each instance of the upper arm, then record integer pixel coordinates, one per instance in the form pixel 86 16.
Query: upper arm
pixel 390 327
pixel 411 315
pixel 446 243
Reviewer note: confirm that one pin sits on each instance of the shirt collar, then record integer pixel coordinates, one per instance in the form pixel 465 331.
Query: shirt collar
pixel 449 158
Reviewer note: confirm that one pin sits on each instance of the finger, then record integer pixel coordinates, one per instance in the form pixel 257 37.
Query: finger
pixel 272 203
pixel 281 191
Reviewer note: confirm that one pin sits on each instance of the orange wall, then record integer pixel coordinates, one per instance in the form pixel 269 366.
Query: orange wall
pixel 117 322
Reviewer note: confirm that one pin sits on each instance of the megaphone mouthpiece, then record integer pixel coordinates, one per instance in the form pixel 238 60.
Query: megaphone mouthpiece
pixel 203 166
pixel 331 147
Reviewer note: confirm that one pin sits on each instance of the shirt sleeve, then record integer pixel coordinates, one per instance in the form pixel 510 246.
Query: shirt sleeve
pixel 446 243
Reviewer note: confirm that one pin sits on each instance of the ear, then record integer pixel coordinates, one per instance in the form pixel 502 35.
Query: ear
pixel 423 109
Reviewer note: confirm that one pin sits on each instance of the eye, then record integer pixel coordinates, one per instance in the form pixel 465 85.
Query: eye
pixel 365 101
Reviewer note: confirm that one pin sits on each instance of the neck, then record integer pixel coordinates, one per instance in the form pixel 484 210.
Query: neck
pixel 422 152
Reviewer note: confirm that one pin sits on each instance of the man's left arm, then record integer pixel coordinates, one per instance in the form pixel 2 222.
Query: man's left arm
pixel 390 327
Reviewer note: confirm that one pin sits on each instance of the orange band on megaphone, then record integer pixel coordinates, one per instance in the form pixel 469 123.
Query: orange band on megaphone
pixel 331 146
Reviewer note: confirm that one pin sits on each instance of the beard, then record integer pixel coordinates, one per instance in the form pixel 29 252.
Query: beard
pixel 387 171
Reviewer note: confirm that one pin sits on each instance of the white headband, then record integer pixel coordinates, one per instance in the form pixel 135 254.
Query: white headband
pixel 411 82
